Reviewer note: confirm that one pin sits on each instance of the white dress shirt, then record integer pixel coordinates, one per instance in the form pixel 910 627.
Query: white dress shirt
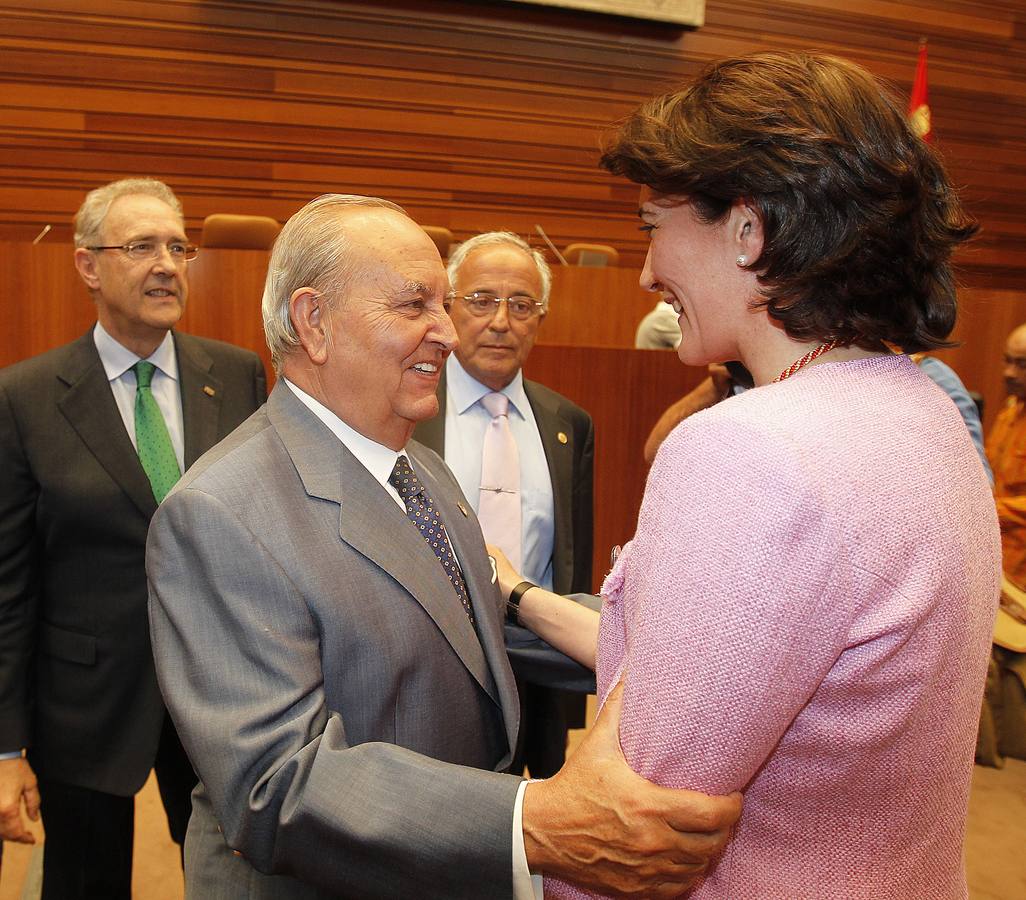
pixel 379 460
pixel 117 362
pixel 466 421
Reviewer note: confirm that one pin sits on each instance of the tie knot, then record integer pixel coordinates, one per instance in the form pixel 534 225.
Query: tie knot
pixel 496 404
pixel 143 373
pixel 404 479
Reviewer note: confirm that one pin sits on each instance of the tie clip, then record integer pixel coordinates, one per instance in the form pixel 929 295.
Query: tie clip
pixel 497 490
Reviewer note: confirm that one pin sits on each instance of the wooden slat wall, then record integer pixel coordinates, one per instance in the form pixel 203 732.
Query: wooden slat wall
pixel 474 115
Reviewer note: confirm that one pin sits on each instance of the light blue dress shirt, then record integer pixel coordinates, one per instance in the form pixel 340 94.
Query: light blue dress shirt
pixel 466 421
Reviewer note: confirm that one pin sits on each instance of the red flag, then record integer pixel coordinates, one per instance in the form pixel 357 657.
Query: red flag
pixel 918 105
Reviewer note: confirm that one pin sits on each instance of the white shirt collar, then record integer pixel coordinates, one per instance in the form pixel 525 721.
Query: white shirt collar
pixel 118 359
pixel 465 390
pixel 376 458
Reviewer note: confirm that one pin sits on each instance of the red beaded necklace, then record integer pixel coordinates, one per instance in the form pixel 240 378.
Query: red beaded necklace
pixel 799 364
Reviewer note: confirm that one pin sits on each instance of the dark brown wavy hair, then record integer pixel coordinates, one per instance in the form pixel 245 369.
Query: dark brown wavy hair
pixel 859 217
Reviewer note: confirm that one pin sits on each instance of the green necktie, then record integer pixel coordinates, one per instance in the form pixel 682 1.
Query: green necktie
pixel 156 453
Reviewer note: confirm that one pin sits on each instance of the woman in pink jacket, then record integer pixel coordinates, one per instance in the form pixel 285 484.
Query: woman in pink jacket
pixel 804 613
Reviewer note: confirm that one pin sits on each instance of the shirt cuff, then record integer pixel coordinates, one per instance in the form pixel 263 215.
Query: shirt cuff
pixel 16 754
pixel 525 885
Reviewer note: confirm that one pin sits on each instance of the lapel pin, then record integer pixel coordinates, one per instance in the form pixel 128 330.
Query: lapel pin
pixel 462 509
pixel 561 437
pixel 209 391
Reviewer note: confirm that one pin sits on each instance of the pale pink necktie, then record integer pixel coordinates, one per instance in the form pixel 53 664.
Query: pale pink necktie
pixel 499 504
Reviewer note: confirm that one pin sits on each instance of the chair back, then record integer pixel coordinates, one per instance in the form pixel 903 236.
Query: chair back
pixel 591 255
pixel 239 232
pixel 441 236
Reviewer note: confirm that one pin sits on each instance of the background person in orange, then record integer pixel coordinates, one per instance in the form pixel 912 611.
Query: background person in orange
pixel 1006 449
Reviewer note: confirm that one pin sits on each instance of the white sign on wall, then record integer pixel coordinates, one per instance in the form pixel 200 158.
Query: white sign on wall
pixel 681 12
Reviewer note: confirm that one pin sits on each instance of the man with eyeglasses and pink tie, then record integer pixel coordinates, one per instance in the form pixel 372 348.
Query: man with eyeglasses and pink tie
pixel 92 436
pixel 522 453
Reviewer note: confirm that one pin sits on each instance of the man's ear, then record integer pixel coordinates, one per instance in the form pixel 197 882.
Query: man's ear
pixel 309 315
pixel 85 263
pixel 746 223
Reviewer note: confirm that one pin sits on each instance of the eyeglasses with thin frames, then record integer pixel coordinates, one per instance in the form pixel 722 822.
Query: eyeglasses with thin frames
pixel 521 307
pixel 140 251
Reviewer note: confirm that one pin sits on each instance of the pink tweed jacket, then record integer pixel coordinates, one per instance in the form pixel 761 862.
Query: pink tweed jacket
pixel 805 615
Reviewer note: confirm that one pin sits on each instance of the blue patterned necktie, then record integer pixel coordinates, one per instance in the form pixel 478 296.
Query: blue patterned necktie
pixel 420 510
pixel 152 441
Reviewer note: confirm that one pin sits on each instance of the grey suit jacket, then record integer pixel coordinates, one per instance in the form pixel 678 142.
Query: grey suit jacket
pixel 346 721
pixel 77 685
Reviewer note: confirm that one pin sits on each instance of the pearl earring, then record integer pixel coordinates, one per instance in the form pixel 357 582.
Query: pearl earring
pixel 742 260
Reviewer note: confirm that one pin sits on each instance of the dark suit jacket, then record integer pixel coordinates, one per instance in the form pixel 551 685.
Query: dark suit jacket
pixel 77 685
pixel 336 700
pixel 571 469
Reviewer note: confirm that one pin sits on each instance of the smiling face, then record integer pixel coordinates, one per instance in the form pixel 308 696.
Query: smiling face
pixel 694 265
pixel 390 334
pixel 493 348
pixel 137 301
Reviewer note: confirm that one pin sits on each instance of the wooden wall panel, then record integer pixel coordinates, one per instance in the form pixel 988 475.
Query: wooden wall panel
pixel 473 115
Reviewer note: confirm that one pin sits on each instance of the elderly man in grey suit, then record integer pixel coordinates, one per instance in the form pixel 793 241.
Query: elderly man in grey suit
pixel 328 634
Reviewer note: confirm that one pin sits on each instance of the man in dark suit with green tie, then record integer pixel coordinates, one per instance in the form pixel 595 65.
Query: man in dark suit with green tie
pixel 92 436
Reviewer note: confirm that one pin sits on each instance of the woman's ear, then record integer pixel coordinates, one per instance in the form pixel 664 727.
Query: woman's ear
pixel 746 230
pixel 309 314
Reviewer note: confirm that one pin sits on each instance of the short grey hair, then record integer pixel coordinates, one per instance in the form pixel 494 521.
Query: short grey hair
pixel 94 209
pixel 311 251
pixel 498 239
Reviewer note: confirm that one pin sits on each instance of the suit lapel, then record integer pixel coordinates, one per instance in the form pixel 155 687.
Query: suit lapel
pixel 468 544
pixel 559 456
pixel 372 523
pixel 87 403
pixel 202 394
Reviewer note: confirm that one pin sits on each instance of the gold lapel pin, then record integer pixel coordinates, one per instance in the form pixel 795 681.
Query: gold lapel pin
pixel 208 390
pixel 561 437
pixel 462 509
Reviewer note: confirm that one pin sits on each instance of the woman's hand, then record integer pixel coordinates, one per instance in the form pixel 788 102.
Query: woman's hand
pixel 508 577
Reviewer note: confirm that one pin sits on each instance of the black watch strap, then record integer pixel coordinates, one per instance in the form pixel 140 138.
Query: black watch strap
pixel 513 604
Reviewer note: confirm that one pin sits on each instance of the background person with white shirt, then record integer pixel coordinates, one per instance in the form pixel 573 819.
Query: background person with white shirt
pixel 501 289
pixel 92 435
pixel 328 632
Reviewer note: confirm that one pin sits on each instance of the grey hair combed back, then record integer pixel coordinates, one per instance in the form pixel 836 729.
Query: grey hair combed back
pixel 311 251
pixel 498 239
pixel 94 209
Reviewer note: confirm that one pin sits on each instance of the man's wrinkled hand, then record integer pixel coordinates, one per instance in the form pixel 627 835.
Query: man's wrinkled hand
pixel 17 787
pixel 600 825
